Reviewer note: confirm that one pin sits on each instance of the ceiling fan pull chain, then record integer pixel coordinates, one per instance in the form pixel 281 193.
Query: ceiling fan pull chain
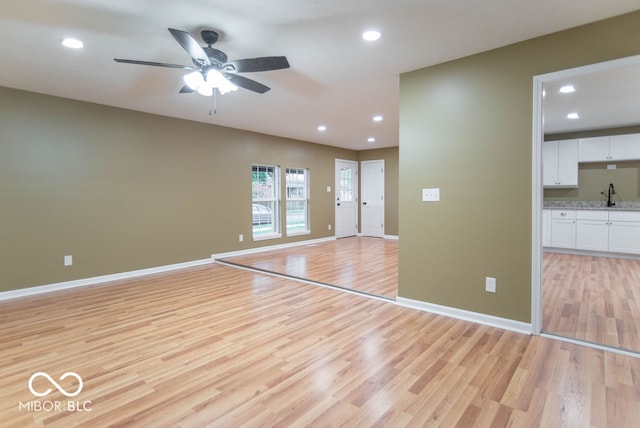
pixel 213 105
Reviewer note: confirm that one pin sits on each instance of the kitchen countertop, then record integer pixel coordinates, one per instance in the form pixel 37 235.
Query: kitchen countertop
pixel 594 205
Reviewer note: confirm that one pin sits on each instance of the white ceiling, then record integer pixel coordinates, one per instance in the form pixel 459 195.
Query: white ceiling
pixel 603 99
pixel 336 78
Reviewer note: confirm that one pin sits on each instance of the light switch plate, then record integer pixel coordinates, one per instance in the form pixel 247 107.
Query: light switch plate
pixel 431 195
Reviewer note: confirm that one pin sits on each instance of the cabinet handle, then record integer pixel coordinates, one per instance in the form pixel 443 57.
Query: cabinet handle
pixel 563 214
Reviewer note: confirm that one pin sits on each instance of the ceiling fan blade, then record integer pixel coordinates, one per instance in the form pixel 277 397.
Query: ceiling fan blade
pixel 250 65
pixel 245 83
pixel 156 64
pixel 186 90
pixel 192 47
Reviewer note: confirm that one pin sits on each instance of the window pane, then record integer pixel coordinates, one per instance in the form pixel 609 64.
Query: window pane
pixel 265 193
pixel 346 185
pixel 297 188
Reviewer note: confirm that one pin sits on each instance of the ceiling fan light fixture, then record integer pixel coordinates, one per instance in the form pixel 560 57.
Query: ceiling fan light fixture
pixel 217 80
pixel 205 89
pixel 193 80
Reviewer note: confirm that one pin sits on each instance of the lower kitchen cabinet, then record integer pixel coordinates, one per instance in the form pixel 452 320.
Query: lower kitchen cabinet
pixel 592 230
pixel 563 228
pixel 624 232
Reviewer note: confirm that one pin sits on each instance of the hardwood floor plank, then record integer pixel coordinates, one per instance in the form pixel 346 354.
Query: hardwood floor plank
pixel 592 299
pixel 363 264
pixel 216 346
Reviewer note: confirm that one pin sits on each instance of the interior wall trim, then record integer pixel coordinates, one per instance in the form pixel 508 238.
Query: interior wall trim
pixel 85 282
pixel 490 320
pixel 271 247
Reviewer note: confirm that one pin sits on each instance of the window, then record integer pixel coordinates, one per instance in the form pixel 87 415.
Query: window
pixel 297 215
pixel 346 184
pixel 265 201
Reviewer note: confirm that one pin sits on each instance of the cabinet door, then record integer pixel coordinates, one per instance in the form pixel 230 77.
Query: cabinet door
pixel 568 163
pixel 624 147
pixel 594 149
pixel 624 237
pixel 563 233
pixel 549 163
pixel 546 228
pixel 592 235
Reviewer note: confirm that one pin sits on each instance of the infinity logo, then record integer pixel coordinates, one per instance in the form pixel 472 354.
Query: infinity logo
pixel 54 383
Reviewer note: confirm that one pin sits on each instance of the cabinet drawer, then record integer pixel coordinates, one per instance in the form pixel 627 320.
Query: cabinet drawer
pixel 624 215
pixel 592 215
pixel 566 214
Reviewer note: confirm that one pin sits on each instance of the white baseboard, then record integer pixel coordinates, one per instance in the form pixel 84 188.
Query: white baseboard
pixel 393 237
pixel 272 247
pixel 490 320
pixel 22 292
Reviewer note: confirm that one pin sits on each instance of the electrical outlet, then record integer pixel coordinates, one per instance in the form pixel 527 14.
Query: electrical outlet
pixel 68 260
pixel 240 237
pixel 490 284
pixel 329 227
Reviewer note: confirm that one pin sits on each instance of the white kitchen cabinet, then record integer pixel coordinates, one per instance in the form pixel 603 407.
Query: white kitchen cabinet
pixel 610 148
pixel 546 228
pixel 592 230
pixel 624 232
pixel 624 147
pixel 563 228
pixel 560 163
pixel 593 149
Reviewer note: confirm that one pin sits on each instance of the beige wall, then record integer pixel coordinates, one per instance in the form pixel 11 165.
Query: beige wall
pixel 121 190
pixel 594 178
pixel 465 127
pixel 390 157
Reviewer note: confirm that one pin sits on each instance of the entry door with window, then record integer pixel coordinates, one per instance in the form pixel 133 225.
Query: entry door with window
pixel 346 198
pixel 372 198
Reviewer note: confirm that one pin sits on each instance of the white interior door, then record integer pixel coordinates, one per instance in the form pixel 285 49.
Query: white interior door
pixel 346 198
pixel 372 197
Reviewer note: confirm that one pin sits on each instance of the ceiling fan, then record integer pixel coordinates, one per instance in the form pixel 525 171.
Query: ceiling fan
pixel 211 69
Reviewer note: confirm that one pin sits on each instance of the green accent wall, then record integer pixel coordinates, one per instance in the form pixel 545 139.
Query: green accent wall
pixel 466 128
pixel 121 190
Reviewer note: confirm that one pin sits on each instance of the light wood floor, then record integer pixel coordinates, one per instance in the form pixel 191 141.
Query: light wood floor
pixel 595 299
pixel 219 346
pixel 368 265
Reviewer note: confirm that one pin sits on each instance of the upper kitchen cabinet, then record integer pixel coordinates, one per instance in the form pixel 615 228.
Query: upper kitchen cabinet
pixel 560 163
pixel 593 149
pixel 613 148
pixel 624 147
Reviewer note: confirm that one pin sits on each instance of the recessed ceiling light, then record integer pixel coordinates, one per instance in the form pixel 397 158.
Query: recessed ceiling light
pixel 567 89
pixel 371 140
pixel 322 128
pixel 72 43
pixel 573 116
pixel 377 118
pixel 371 35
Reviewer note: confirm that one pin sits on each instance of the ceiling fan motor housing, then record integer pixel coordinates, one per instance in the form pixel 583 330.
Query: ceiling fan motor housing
pixel 216 56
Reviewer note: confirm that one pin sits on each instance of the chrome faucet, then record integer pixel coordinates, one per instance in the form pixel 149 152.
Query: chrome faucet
pixel 610 192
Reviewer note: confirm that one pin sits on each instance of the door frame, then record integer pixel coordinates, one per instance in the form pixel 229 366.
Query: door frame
pixel 537 190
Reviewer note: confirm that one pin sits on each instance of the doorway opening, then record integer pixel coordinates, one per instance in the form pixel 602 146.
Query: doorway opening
pixel 543 262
